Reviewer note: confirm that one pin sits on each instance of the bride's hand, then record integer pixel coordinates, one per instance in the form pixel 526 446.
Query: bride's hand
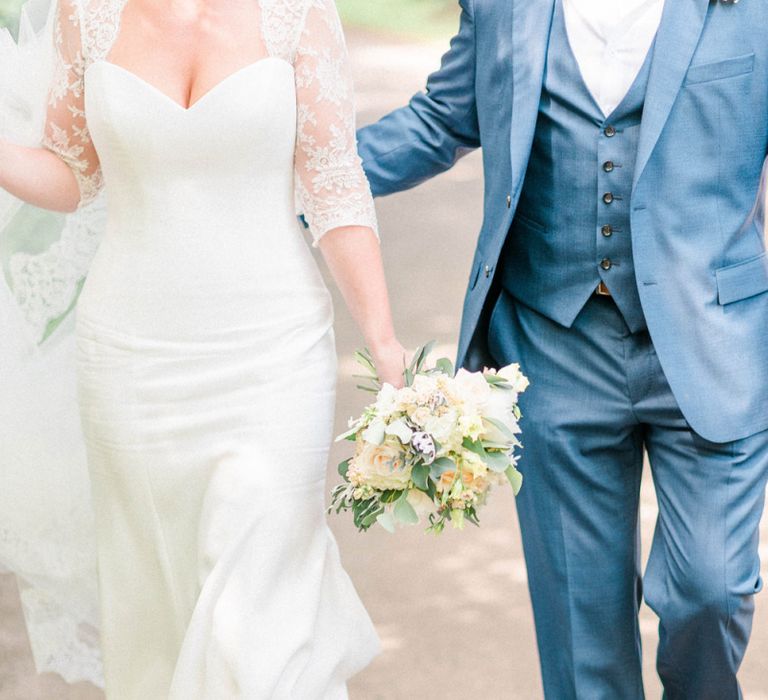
pixel 391 361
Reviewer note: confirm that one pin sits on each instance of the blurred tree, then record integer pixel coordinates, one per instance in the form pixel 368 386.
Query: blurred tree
pixel 9 11
pixel 416 18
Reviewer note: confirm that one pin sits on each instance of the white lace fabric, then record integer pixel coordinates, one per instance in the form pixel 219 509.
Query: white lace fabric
pixel 331 187
pixel 66 128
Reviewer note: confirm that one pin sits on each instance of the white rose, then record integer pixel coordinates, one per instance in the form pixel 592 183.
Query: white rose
pixel 499 408
pixel 471 426
pixel 444 429
pixel 515 377
pixel 420 415
pixel 386 401
pixel 472 387
pixel 380 466
pixel 424 386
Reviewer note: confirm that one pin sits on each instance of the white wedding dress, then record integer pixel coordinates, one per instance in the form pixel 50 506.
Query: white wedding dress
pixel 205 356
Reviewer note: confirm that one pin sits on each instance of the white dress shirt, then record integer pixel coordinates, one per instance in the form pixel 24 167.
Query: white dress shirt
pixel 611 39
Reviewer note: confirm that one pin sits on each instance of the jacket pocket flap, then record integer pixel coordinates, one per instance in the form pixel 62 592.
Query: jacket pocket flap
pixel 742 280
pixel 730 68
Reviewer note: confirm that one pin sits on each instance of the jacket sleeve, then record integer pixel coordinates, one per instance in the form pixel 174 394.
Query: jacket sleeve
pixel 437 127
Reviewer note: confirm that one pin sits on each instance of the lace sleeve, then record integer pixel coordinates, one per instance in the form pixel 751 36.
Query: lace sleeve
pixel 331 187
pixel 66 131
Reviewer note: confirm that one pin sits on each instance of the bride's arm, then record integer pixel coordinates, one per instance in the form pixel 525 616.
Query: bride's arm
pixel 65 170
pixel 38 176
pixel 332 189
pixel 354 259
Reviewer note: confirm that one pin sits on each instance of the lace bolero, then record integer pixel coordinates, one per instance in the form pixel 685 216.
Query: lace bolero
pixel 331 187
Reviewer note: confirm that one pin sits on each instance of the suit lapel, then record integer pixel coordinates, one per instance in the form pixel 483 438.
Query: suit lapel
pixel 679 33
pixel 531 23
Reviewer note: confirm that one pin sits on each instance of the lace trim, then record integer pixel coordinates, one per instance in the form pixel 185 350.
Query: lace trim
pixel 60 644
pixel 281 22
pixel 335 191
pixel 61 641
pixel 46 285
pixel 101 24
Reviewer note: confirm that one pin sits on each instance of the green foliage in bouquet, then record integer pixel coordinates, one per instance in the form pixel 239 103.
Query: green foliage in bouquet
pixel 432 449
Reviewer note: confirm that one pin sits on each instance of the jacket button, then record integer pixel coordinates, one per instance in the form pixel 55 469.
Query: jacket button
pixel 610 131
pixel 608 166
pixel 606 264
pixel 608 197
pixel 607 230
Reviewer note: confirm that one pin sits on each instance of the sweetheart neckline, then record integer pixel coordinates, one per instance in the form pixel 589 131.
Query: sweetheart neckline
pixel 191 108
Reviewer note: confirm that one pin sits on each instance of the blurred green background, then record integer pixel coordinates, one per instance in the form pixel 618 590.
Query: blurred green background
pixel 8 10
pixel 409 18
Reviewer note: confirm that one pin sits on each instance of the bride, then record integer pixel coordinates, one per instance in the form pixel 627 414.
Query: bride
pixel 204 344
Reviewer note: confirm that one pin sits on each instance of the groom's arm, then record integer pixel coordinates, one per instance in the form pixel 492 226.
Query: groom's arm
pixel 437 127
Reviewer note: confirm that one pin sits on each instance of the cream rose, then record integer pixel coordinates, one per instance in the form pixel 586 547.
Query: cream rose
pixel 380 466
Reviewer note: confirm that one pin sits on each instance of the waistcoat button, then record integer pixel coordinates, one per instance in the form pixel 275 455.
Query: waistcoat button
pixel 606 264
pixel 608 166
pixel 608 197
pixel 607 230
pixel 610 131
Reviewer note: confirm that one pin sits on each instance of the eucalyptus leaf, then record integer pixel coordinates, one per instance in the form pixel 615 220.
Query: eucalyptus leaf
pixel 501 427
pixel 445 366
pixel 420 476
pixel 371 518
pixel 497 461
pixel 490 445
pixel 497 381
pixel 515 478
pixel 390 496
pixel 421 356
pixel 351 433
pixel 344 468
pixel 440 466
pixel 404 511
pixel 387 521
pixel 369 389
pixel 363 358
pixel 473 446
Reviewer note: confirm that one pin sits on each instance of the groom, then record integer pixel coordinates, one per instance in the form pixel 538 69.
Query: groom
pixel 621 264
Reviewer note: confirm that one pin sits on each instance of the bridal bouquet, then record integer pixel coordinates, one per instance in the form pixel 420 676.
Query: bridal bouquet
pixel 432 449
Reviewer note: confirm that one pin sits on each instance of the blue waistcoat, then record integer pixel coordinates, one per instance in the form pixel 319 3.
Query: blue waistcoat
pixel 572 225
